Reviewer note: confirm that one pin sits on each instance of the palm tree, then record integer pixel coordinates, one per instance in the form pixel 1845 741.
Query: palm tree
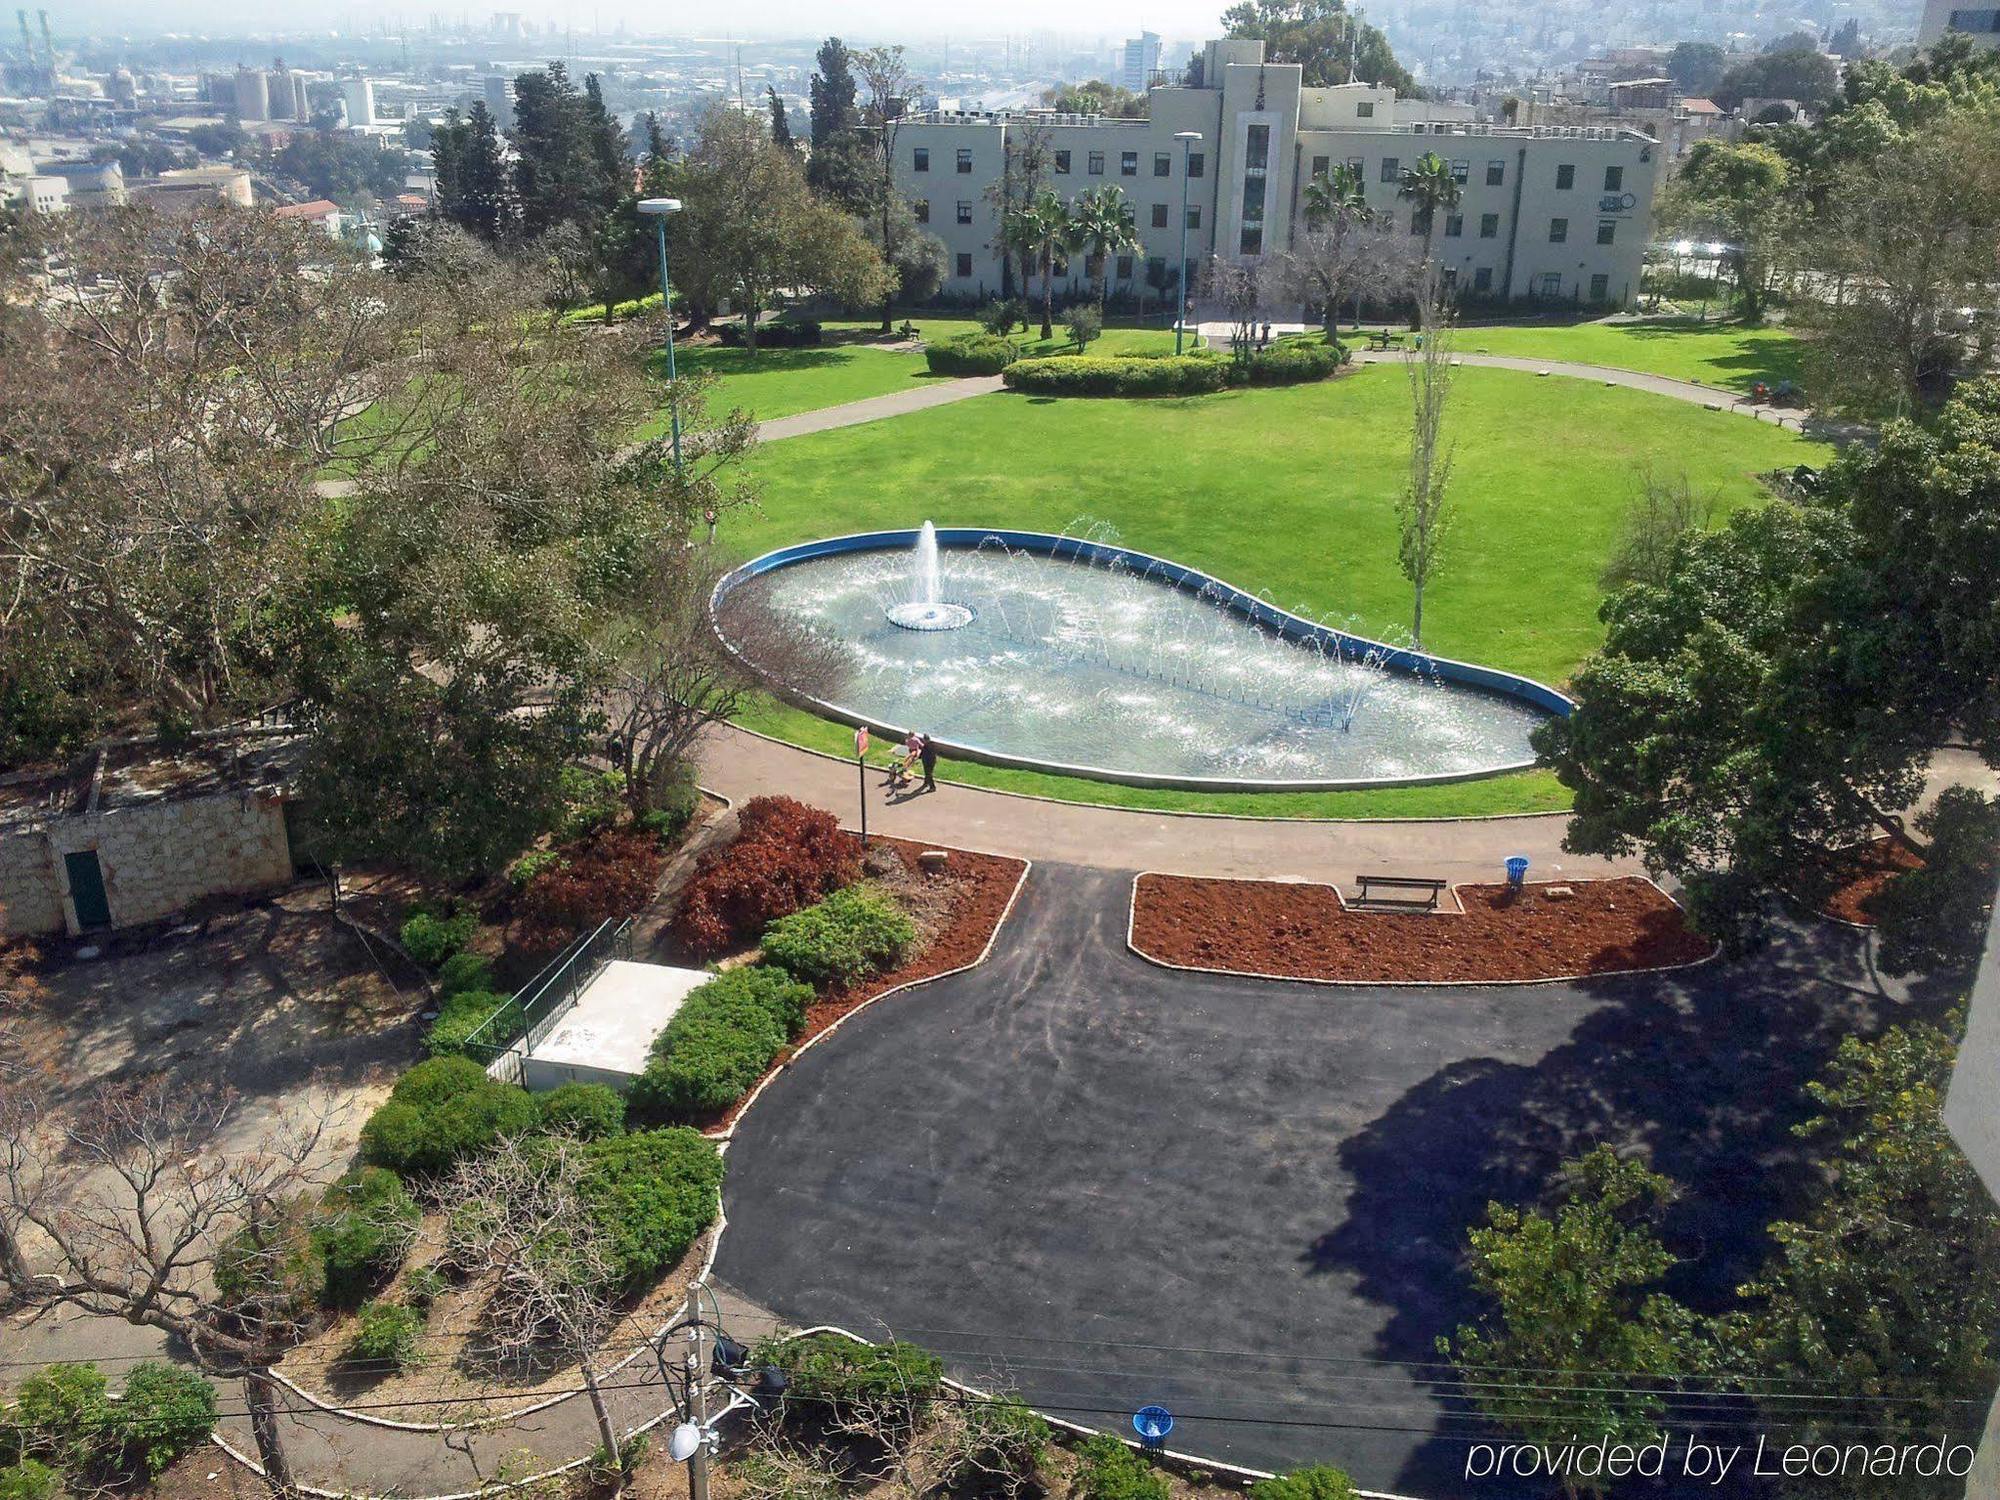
pixel 1044 223
pixel 1106 227
pixel 1430 185
pixel 1338 194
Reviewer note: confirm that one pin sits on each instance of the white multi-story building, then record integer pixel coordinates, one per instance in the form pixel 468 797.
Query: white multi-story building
pixel 360 96
pixel 1555 213
pixel 1140 62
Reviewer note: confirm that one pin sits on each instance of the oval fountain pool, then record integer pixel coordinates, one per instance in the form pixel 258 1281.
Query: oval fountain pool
pixel 1073 654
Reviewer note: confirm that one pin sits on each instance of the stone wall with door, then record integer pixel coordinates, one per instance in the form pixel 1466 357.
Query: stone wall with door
pixel 154 858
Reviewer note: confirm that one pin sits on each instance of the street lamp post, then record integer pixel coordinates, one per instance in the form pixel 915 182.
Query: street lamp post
pixel 659 208
pixel 1187 138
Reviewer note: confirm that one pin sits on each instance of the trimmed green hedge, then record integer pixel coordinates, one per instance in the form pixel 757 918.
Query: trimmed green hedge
pixel 1294 361
pixel 652 1192
pixel 1314 1482
pixel 588 1111
pixel 1118 375
pixel 719 1043
pixel 971 354
pixel 441 1110
pixel 466 1012
pixel 431 939
pixel 832 1369
pixel 366 1221
pixel 848 936
pixel 1111 1471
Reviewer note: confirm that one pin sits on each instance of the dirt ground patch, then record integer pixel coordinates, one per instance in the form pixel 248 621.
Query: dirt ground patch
pixel 956 912
pixel 1859 876
pixel 1296 931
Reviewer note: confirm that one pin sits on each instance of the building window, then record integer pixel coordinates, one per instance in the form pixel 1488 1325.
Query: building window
pixel 1558 231
pixel 1095 163
pixel 1252 242
pixel 1390 169
pixel 1565 177
pixel 964 211
pixel 1356 166
pixel 1489 226
pixel 1196 164
pixel 1156 270
pixel 1607 231
pixel 1614 179
pixel 1128 164
pixel 921 160
pixel 920 209
pixel 1552 284
pixel 1124 268
pixel 1461 170
pixel 1482 279
pixel 1092 264
pixel 1253 201
pixel 1194 216
pixel 1322 166
pixel 1420 221
pixel 1600 288
pixel 1257 150
pixel 1449 276
pixel 1454 226
pixel 965 161
pixel 1163 164
pixel 1365 110
pixel 1159 216
pixel 964 264
pixel 1062 164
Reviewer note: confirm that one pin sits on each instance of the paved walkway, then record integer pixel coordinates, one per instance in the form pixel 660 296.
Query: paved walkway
pixel 875 408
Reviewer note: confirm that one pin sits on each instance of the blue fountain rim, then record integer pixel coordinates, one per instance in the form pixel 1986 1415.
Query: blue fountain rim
pixel 1212 590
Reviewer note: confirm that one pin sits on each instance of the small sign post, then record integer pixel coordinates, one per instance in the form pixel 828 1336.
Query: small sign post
pixel 861 776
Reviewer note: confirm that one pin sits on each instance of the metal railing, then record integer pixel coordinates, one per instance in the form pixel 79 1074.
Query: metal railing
pixel 515 1030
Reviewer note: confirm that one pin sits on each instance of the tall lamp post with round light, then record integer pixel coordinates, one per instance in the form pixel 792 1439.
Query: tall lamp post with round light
pixel 659 208
pixel 1187 138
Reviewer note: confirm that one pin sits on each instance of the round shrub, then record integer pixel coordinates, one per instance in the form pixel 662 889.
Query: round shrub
pixel 1118 375
pixel 385 1333
pixel 652 1193
pixel 831 1369
pixel 1294 361
pixel 164 1412
pixel 588 1111
pixel 1111 1471
pixel 441 1110
pixel 971 354
pixel 531 866
pixel 464 971
pixel 471 1123
pixel 1314 1482
pixel 422 1287
pixel 29 1480
pixel 468 1012
pixel 848 936
pixel 785 856
pixel 367 1220
pixel 431 939
pixel 590 801
pixel 429 1084
pixel 719 1043
pixel 62 1414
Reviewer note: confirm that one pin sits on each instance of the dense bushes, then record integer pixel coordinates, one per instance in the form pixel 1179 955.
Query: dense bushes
pixel 366 1222
pixel 65 1421
pixel 835 1371
pixel 385 1333
pixel 1111 1471
pixel 591 800
pixel 1314 1482
pixel 1118 375
pixel 1295 360
pixel 431 937
pixel 441 1110
pixel 611 874
pixel 785 856
pixel 846 937
pixel 651 1193
pixel 588 1111
pixel 465 1013
pixel 971 354
pixel 802 334
pixel 29 1480
pixel 719 1043
pixel 464 971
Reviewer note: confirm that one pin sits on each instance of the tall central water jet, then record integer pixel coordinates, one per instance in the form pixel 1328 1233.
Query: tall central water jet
pixel 926 609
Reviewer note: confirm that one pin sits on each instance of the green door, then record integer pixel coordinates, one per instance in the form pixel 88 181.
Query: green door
pixel 86 889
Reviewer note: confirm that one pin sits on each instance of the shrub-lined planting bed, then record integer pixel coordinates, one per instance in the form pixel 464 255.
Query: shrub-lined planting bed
pixel 1291 931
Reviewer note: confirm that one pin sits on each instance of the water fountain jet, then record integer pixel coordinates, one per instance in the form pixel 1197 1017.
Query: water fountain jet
pixel 925 609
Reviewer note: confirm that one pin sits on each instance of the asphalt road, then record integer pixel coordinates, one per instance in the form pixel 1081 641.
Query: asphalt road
pixel 1105 1184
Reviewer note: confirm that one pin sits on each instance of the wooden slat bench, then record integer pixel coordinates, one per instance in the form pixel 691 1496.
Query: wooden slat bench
pixel 1423 892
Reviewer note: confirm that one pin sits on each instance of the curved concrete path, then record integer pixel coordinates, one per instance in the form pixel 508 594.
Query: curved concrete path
pixel 875 408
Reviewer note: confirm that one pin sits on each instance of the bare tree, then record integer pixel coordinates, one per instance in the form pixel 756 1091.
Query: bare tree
pixel 1345 259
pixel 1423 514
pixel 1662 514
pixel 27 1079
pixel 142 1205
pixel 522 1223
pixel 1240 286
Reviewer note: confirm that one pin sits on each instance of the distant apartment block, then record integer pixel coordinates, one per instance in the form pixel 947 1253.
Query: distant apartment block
pixel 1141 62
pixel 1547 213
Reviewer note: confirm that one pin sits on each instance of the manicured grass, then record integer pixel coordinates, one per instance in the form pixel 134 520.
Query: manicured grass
pixel 1728 355
pixel 1290 491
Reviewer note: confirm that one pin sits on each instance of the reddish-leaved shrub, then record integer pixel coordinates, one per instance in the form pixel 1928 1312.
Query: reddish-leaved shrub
pixel 609 874
pixel 785 857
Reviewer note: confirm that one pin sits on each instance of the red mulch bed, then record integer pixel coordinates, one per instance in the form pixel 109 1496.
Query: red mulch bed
pixel 983 884
pixel 1860 873
pixel 1289 931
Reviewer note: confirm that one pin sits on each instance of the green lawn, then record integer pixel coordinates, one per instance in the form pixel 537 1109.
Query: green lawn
pixel 1291 491
pixel 1728 355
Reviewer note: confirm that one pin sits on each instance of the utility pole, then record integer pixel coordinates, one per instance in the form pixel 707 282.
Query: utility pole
pixel 698 1396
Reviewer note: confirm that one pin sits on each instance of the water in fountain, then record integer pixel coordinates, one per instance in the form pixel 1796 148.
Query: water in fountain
pixel 925 609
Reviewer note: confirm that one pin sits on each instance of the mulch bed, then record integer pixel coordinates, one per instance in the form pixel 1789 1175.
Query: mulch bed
pixel 1859 875
pixel 979 888
pixel 1290 931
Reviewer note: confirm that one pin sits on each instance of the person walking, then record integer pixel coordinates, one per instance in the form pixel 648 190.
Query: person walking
pixel 929 756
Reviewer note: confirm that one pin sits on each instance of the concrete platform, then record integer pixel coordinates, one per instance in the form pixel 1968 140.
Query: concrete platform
pixel 605 1037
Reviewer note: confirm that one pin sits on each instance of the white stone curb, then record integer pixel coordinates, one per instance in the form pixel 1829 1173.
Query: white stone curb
pixel 1132 942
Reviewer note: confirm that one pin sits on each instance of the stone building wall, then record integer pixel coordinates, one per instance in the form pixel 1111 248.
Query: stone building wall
pixel 158 857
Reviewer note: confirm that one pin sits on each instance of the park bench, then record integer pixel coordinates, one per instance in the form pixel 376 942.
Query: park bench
pixel 1382 338
pixel 1430 890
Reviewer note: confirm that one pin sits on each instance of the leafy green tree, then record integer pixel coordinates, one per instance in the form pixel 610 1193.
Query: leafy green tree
pixel 1933 919
pixel 1095 98
pixel 474 188
pixel 832 94
pixel 1735 192
pixel 1105 227
pixel 1797 70
pixel 1575 1294
pixel 1324 37
pixel 1696 67
pixel 781 125
pixel 1338 194
pixel 1886 1295
pixel 1429 185
pixel 1044 224
pixel 569 155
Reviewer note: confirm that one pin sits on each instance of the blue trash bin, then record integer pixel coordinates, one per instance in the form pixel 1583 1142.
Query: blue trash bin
pixel 1517 869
